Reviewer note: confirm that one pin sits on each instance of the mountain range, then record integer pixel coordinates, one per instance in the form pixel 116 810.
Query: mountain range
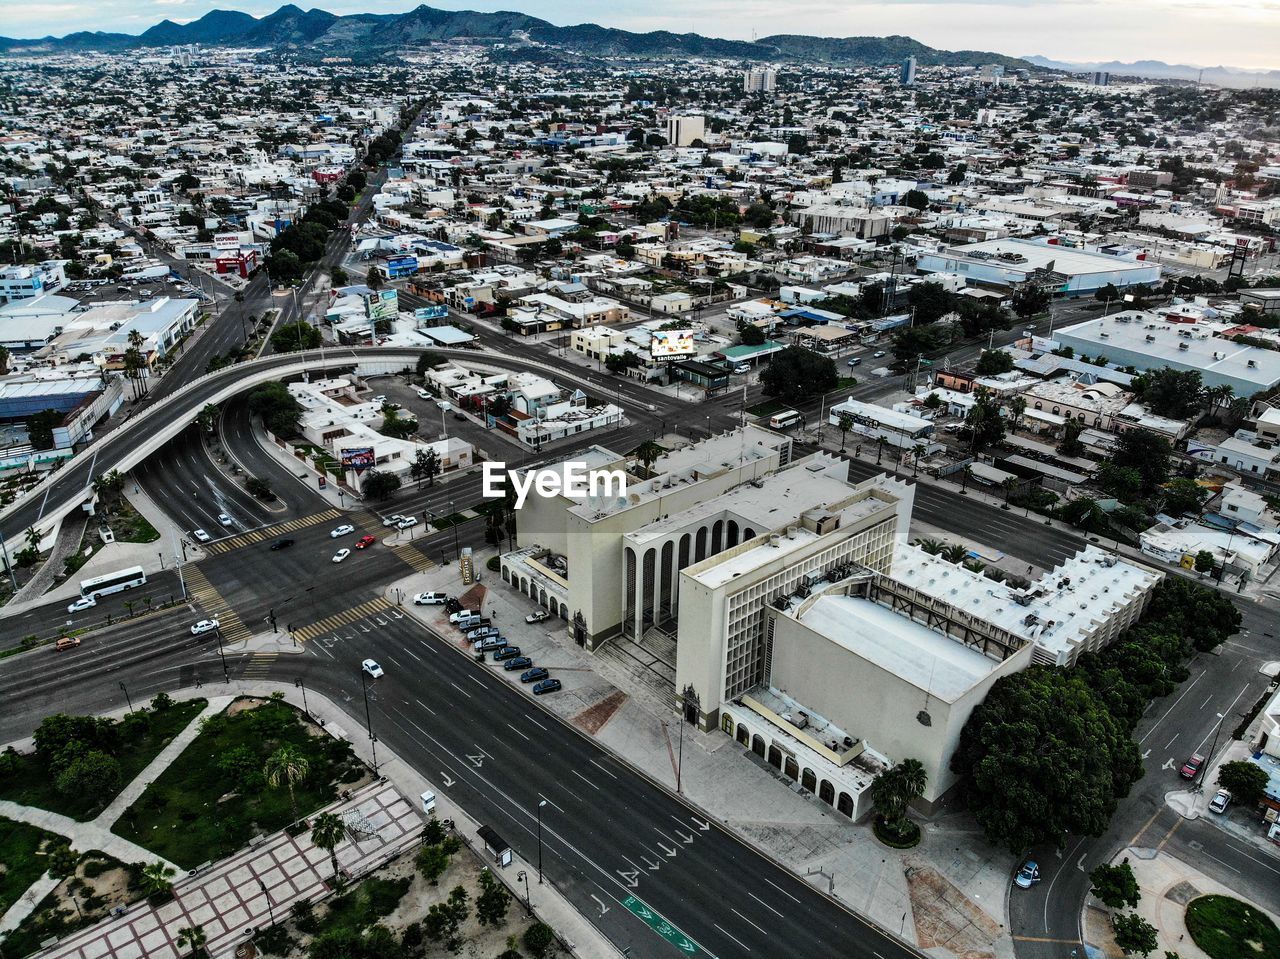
pixel 1219 76
pixel 318 31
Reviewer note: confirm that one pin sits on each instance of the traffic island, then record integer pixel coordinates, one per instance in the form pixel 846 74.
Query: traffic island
pixel 1226 928
pixel 901 836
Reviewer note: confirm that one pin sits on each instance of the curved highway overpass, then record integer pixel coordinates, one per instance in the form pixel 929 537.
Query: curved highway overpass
pixel 150 428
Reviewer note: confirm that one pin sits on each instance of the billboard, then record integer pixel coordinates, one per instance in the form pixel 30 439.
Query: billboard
pixel 384 305
pixel 226 241
pixel 669 344
pixel 357 458
pixel 424 313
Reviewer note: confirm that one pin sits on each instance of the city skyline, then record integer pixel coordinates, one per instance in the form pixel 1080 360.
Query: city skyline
pixel 1194 33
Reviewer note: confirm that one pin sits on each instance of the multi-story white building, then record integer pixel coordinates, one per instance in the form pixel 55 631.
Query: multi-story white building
pixel 682 131
pixel 759 80
pixel 27 281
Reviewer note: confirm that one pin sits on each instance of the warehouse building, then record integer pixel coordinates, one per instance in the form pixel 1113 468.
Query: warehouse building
pixel 1062 270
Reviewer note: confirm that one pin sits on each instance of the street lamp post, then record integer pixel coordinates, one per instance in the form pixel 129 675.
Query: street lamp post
pixel 303 686
pixel 523 876
pixel 457 550
pixel 541 803
pixel 271 910
pixel 226 677
pixel 1204 768
pixel 368 720
pixel 126 697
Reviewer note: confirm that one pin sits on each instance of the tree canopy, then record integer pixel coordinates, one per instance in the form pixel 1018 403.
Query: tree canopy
pixel 796 373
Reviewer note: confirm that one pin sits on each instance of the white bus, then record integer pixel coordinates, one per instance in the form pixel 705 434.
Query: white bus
pixel 784 420
pixel 113 582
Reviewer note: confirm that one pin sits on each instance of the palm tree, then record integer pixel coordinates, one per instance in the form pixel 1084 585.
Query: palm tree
pixel 156 879
pixel 1010 484
pixel 932 546
pixel 287 765
pixel 327 830
pixel 844 423
pixel 1017 406
pixel 135 345
pixel 33 538
pixel 913 778
pixel 956 553
pixel 192 936
pixel 208 417
pixel 647 453
pixel 917 451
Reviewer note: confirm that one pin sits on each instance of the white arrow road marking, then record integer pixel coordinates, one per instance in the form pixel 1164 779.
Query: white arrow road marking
pixel 704 826
pixel 600 903
pixel 1146 754
pixel 444 776
pixel 476 761
pixel 683 838
pixel 1080 862
pixel 653 866
pixel 1169 764
pixel 632 879
pixel 671 853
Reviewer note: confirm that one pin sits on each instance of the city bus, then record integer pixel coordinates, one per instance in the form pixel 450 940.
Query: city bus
pixel 784 420
pixel 113 582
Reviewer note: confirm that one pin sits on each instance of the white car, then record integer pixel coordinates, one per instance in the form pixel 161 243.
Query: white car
pixel 406 522
pixel 391 520
pixel 342 530
pixel 537 617
pixel 224 519
pixel 81 604
pixel 878 354
pixel 423 394
pixel 430 599
pixel 379 399
pixel 1221 800
pixel 204 626
pixel 372 668
pixel 340 555
pixel 201 536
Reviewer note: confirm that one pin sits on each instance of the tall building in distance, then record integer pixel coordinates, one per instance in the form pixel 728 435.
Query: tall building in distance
pixel 992 73
pixel 908 75
pixel 759 80
pixel 682 131
pixel 1100 78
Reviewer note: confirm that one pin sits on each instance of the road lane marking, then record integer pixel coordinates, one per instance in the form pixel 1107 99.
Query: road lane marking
pixel 535 722
pixel 459 689
pixel 518 733
pixel 550 801
pixel 475 679
pixel 585 779
pixel 1172 741
pixel 602 769
pixel 783 891
pixel 1170 709
pixel 766 905
pixel 732 936
pixel 748 921
pixel 425 706
pixel 410 652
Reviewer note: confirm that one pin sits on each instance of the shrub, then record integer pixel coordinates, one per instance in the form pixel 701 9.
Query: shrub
pixel 538 939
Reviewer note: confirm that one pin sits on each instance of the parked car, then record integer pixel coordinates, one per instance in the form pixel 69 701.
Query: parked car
pixel 372 668
pixel 429 599
pixel 422 394
pixel 340 555
pixel 380 398
pixel 406 522
pixel 1191 766
pixel 490 643
pixel 281 544
pixel 533 675
pixel 476 633
pixel 537 617
pixel 520 662
pixel 224 519
pixel 342 530
pixel 460 614
pixel 392 519
pixel 1028 874
pixel 741 369
pixel 81 604
pixel 71 642
pixel 453 605
pixel 201 536
pixel 364 542
pixel 204 626
pixel 546 686
pixel 1220 801
pixel 505 653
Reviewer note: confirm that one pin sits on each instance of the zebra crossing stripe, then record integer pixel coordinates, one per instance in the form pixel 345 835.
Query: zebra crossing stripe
pixel 339 620
pixel 267 532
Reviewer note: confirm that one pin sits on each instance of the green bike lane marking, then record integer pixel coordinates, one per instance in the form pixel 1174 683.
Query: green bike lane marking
pixel 666 929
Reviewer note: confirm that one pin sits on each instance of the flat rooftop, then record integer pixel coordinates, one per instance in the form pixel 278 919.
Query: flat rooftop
pixel 898 644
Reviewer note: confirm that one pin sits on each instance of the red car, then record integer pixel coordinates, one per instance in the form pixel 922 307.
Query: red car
pixel 365 541
pixel 1191 766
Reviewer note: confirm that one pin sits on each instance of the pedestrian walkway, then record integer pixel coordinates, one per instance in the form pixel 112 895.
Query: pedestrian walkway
pixel 338 620
pixel 229 623
pixel 411 557
pixel 259 665
pixel 241 540
pixel 65 544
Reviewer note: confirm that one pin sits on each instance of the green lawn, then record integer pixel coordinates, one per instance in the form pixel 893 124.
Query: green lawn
pixel 56 917
pixel 1227 928
pixel 364 905
pixel 31 784
pixel 213 799
pixel 19 845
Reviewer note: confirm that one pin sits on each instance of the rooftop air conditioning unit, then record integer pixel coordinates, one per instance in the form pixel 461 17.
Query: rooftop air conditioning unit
pixel 1253 364
pixel 1183 346
pixel 1150 338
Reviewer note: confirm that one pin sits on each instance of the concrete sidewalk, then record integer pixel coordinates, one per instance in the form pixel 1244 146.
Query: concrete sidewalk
pixel 83 836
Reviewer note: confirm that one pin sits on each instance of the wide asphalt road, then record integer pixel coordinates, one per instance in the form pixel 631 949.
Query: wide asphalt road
pixel 608 833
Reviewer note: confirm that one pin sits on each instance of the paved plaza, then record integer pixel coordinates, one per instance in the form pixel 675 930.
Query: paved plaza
pixel 234 897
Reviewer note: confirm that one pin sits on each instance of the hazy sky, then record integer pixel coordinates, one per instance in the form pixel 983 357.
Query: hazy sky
pixel 1205 32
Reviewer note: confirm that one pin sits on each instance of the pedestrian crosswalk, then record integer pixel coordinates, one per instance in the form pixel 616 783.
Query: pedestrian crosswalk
pixel 241 540
pixel 259 665
pixel 412 557
pixel 345 618
pixel 200 589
